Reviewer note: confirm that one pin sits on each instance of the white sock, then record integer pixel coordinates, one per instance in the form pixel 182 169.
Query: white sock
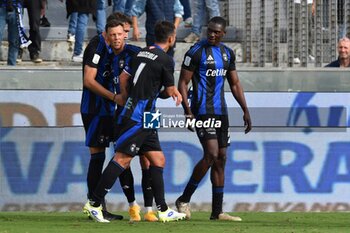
pixel 131 204
pixel 148 209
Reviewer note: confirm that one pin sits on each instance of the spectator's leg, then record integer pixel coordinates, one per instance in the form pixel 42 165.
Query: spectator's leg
pixel 119 6
pixel 34 9
pixel 187 9
pixel 128 7
pixel 80 33
pixel 213 8
pixel 72 24
pixel 198 15
pixel 13 38
pixel 101 16
pixel 2 24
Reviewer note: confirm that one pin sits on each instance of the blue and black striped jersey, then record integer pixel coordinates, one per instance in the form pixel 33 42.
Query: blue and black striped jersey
pixel 151 69
pixel 122 62
pixel 211 65
pixel 98 55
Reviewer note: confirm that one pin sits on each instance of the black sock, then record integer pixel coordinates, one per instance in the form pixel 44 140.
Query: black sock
pixel 158 187
pixel 217 198
pixel 147 188
pixel 95 170
pixel 127 183
pixel 108 178
pixel 189 190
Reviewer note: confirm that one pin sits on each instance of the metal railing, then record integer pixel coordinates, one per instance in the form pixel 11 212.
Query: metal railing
pixel 267 29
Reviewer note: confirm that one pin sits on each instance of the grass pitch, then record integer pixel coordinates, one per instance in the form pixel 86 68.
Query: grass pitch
pixel 52 222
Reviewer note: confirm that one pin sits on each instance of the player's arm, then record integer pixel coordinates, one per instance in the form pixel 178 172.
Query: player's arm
pixel 185 78
pixel 171 91
pixel 124 86
pixel 238 94
pixel 91 83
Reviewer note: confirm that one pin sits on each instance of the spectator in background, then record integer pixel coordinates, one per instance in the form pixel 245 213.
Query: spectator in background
pixel 100 16
pixel 310 12
pixel 34 10
pixel 170 10
pixel 8 16
pixel 343 60
pixel 82 8
pixel 123 6
pixel 187 16
pixel 199 8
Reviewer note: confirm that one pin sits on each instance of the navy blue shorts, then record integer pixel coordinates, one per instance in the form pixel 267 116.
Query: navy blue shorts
pixel 221 134
pixel 98 130
pixel 133 139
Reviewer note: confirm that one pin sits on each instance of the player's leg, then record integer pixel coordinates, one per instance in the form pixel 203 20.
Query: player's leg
pixel 147 191
pixel 211 150
pixel 113 170
pixel 98 136
pixel 126 180
pixel 157 161
pixel 217 174
pixel 126 148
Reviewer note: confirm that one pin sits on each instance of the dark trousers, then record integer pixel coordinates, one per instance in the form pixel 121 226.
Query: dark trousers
pixel 34 9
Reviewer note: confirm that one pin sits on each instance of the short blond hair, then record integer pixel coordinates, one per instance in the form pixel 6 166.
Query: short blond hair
pixel 344 39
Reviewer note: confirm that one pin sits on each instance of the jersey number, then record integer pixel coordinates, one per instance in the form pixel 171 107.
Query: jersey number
pixel 138 72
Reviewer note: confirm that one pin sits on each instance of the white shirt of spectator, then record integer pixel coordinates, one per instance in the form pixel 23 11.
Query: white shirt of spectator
pixel 299 1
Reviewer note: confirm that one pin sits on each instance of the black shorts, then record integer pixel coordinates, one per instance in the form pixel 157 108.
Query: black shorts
pixel 220 133
pixel 98 130
pixel 133 139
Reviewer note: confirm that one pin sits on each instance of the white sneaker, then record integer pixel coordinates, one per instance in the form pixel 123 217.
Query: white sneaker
pixel 191 38
pixel 94 212
pixel 70 38
pixel 183 207
pixel 188 22
pixel 227 217
pixel 296 60
pixel 311 58
pixel 170 215
pixel 77 58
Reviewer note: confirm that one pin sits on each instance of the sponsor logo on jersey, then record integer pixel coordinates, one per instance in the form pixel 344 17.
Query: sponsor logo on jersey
pixel 216 72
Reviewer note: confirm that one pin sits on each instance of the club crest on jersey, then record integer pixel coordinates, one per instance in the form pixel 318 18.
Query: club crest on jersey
pixel 121 63
pixel 224 56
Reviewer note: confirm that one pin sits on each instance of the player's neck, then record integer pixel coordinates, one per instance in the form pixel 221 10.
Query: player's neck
pixel 163 46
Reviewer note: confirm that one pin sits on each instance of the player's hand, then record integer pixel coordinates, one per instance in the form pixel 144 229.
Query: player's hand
pixel 177 97
pixel 247 122
pixel 136 34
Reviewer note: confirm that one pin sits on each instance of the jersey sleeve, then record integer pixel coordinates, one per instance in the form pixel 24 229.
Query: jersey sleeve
pixel 168 72
pixel 232 61
pixel 91 54
pixel 191 60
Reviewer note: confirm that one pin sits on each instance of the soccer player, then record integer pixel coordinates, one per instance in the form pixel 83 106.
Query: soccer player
pixel 207 64
pixel 151 70
pixel 126 179
pixel 99 98
pixel 343 60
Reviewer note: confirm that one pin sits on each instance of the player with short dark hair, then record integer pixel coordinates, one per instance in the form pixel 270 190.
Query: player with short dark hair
pixel 99 98
pixel 126 178
pixel 208 64
pixel 151 70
